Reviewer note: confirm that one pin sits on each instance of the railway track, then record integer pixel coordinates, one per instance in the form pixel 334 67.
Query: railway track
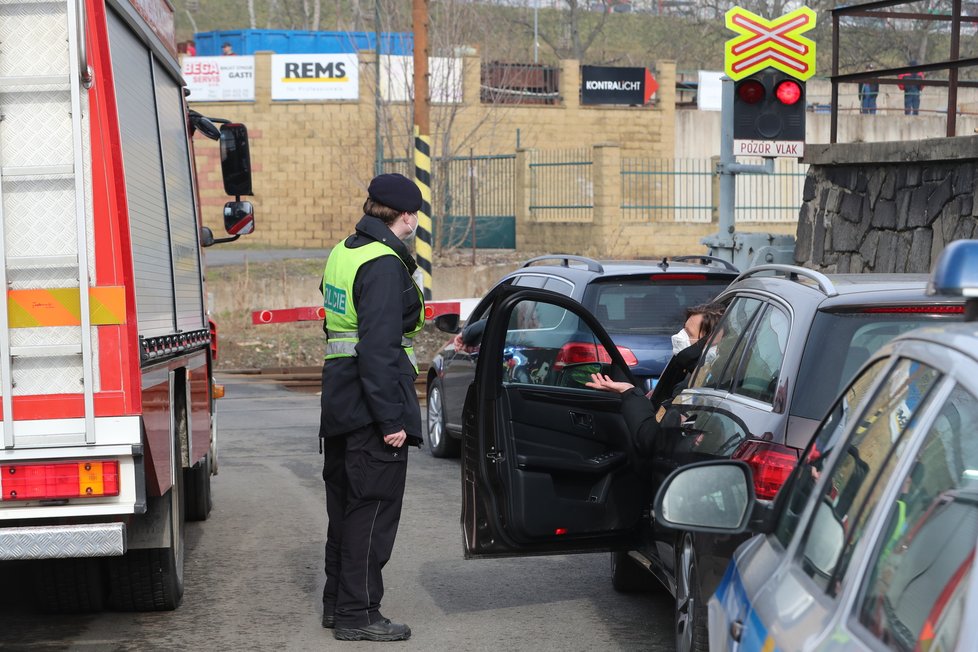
pixel 304 379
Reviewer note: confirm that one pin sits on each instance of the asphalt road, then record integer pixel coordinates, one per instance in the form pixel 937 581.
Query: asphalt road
pixel 254 570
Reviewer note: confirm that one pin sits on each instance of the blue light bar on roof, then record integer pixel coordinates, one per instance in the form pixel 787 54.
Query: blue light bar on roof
pixel 956 271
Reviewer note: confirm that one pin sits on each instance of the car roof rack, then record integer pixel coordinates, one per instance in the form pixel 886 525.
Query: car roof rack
pixel 704 259
pixel 592 265
pixel 791 272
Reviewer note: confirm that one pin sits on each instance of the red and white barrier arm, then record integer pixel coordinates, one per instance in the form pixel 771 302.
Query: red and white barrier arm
pixel 317 313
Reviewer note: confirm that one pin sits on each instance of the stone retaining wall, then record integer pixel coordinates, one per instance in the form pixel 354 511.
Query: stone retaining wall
pixel 886 207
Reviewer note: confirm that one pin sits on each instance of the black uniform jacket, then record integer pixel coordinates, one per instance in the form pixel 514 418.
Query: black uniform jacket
pixel 376 386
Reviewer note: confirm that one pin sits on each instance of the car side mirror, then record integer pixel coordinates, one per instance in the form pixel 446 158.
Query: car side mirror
pixel 714 496
pixel 449 323
pixel 239 218
pixel 235 159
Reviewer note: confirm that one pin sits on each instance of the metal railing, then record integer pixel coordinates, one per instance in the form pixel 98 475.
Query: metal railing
pixel 685 190
pixel 561 185
pixel 466 191
pixel 875 12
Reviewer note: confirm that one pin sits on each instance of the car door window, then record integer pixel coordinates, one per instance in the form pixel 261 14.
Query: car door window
pixel 861 472
pixel 722 350
pixel 559 285
pixel 919 574
pixel 802 483
pixel 764 356
pixel 541 349
pixel 530 280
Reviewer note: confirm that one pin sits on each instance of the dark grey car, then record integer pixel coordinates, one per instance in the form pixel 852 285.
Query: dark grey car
pixel 639 303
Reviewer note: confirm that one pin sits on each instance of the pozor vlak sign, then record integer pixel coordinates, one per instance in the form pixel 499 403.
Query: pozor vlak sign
pixel 315 77
pixel 769 61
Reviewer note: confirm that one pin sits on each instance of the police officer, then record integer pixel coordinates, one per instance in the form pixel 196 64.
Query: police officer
pixel 370 411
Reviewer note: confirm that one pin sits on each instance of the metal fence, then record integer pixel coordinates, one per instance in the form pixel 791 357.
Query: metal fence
pixel 561 185
pixel 467 190
pixel 684 190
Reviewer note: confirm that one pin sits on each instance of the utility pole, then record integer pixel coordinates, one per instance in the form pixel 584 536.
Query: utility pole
pixel 422 142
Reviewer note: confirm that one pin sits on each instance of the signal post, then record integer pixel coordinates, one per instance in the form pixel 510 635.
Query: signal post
pixel 763 114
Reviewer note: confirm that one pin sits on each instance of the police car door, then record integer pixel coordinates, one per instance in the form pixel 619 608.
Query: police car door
pixel 546 462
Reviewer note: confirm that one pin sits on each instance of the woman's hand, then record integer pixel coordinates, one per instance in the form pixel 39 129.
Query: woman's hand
pixel 605 383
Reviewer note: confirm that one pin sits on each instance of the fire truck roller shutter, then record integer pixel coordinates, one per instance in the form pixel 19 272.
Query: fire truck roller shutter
pixel 159 193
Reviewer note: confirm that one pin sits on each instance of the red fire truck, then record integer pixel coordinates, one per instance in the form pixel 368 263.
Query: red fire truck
pixel 106 386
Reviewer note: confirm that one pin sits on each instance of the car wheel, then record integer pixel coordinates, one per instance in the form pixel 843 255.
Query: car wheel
pixel 437 439
pixel 627 576
pixel 691 633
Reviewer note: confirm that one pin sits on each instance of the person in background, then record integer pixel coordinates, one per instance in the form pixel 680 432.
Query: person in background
pixel 227 50
pixel 191 49
pixel 911 91
pixel 370 409
pixel 868 92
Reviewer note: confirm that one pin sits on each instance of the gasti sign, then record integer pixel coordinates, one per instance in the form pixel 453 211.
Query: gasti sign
pixel 763 43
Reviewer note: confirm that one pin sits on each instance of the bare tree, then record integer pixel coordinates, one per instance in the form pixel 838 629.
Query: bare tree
pixel 569 32
pixel 251 14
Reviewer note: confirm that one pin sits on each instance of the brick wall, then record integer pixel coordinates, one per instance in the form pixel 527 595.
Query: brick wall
pixel 312 160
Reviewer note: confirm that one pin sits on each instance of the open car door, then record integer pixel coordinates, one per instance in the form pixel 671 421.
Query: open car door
pixel 547 463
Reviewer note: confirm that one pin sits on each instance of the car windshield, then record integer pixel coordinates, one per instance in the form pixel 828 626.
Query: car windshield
pixel 838 345
pixel 646 305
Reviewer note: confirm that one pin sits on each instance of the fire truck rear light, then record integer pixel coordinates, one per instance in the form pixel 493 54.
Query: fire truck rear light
pixel 84 479
pixel 770 463
pixel 217 391
pixel 560 530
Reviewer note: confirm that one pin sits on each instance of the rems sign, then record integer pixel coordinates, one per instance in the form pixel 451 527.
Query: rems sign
pixel 315 77
pixel 607 85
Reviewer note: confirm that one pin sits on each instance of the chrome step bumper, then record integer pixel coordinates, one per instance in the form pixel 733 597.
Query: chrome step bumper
pixel 62 541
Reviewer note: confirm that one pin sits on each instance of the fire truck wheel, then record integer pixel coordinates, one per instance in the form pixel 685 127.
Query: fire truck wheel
pixel 197 481
pixel 69 585
pixel 151 579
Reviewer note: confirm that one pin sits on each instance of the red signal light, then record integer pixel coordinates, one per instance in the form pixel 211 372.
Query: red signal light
pixel 788 92
pixel 750 91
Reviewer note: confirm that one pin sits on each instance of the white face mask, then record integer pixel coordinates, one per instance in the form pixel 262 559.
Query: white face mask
pixel 680 341
pixel 414 229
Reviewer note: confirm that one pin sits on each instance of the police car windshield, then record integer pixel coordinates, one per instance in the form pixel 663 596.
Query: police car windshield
pixel 651 305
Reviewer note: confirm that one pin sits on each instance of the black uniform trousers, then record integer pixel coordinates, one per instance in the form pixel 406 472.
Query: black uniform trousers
pixel 364 492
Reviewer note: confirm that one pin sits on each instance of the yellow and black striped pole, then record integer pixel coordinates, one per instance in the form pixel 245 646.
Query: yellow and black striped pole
pixel 422 238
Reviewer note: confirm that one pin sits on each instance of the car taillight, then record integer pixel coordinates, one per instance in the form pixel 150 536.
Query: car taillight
pixel 919 310
pixel 83 479
pixel 584 352
pixel 770 463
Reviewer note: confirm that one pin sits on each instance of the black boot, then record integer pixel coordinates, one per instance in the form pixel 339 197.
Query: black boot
pixel 382 630
pixel 329 616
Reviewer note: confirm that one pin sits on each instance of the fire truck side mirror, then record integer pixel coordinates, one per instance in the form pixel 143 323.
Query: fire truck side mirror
pixel 239 217
pixel 206 236
pixel 235 159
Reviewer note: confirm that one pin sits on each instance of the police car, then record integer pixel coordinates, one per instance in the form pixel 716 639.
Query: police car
pixel 871 543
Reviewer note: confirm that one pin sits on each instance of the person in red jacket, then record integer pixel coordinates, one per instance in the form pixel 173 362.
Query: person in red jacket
pixel 911 91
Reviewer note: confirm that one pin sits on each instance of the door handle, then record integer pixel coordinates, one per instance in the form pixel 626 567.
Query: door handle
pixel 736 630
pixel 582 420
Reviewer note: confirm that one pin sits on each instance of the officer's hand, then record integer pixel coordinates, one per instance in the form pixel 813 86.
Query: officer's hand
pixel 396 439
